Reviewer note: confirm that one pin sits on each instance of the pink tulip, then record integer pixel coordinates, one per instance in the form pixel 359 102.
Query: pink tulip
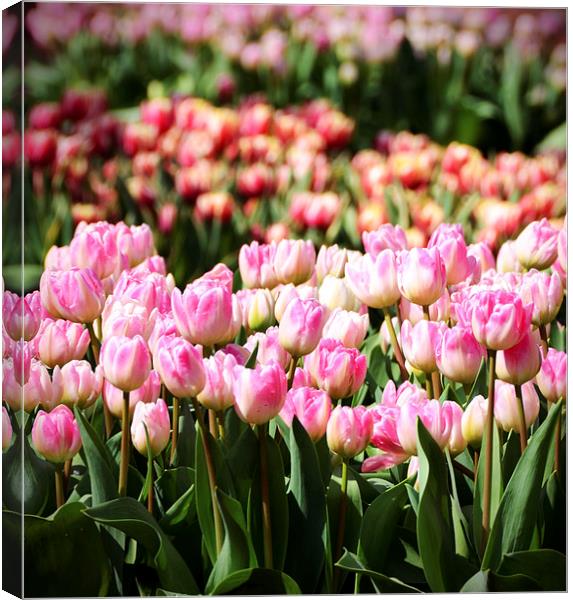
pixel 151 264
pixel 456 441
pixel 552 377
pixel 58 258
pixel 536 245
pixel 421 275
pixel 22 356
pixel 301 326
pixel 153 416
pixel 330 261
pixel 56 435
pixel 76 295
pixel 256 264
pixel 22 316
pixel 347 326
pixel 473 421
pixel 81 385
pixel 406 392
pixel 545 292
pixel 562 247
pixel 269 347
pixel 373 280
pixel 505 408
pixel 164 326
pixel 219 273
pixel 449 240
pixel 338 370
pixel 499 319
pixel 203 312
pixel 459 355
pixel 126 317
pixel 387 236
pixel 285 293
pixel 349 430
pixel 126 361
pixel 311 407
pixel 94 247
pixel 507 260
pixel 521 362
pixel 294 261
pixel 483 255
pixel 135 242
pixel 148 288
pixel 7 432
pixel 419 343
pixel 240 353
pixel 217 393
pixel 148 392
pixel 439 310
pixel 61 341
pixel 335 293
pixel 259 311
pixel 302 378
pixel 180 366
pixel 39 389
pixel 385 438
pixel 436 419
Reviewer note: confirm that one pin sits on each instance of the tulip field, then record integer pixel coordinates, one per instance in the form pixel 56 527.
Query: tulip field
pixel 288 315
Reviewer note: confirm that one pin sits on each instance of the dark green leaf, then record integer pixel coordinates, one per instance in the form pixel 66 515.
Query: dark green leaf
pixel 257 581
pixel 547 567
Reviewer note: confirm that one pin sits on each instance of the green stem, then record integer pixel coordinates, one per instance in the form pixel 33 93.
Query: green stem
pixel 174 431
pixel 426 311
pixel 486 503
pixel 265 505
pixel 428 386
pixel 221 423
pixel 341 521
pixel 522 424
pixel 95 345
pixel 124 456
pixel 211 474
pixel 292 371
pixel 395 345
pixel 544 340
pixel 436 384
pixel 150 492
pixel 59 478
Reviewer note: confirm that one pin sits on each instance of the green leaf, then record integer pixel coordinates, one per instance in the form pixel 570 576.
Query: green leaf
pixel 486 581
pixel 185 456
pixel 257 581
pixel 99 461
pixel 63 554
pixel 556 139
pixel 382 583
pixel 307 512
pixel 547 567
pixel 252 360
pixel 131 517
pixel 237 552
pixel 516 517
pixel 378 526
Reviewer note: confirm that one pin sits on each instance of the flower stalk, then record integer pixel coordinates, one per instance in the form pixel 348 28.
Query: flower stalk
pixel 265 504
pixel 124 452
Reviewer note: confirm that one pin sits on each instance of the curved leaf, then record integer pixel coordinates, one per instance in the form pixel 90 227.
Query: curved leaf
pixel 257 581
pixel 548 568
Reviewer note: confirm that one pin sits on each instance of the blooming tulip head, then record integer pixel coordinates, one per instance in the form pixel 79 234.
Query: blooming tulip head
pixel 294 261
pixel 301 326
pixel 203 312
pixel 180 366
pixel 285 293
pixel 439 310
pixel 421 275
pixel 76 295
pixel 349 430
pixel 94 246
pixel 61 341
pixel 21 316
pixel 330 261
pixel 81 386
pixel 521 362
pixel 56 435
pixel 536 245
pixel 153 416
pixel 473 421
pixel 456 442
pixel 7 432
pixel 259 393
pixel 347 326
pixel 459 355
pixel 419 343
pixel 148 392
pixel 499 319
pixel 387 236
pixel 311 407
pixel 505 407
pixel 338 370
pixel 126 317
pixel 450 242
pixel 335 293
pixel 552 377
pixel 126 361
pixel 436 419
pixel 269 347
pixel 39 389
pixel 217 393
pixel 260 313
pixel 544 292
pixel 507 261
pixel 373 280
pixel 256 264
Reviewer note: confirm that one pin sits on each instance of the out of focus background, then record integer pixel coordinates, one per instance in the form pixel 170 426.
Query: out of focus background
pixel 219 124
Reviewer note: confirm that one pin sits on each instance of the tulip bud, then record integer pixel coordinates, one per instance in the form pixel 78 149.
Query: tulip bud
pixel 473 421
pixel 217 394
pixel 387 236
pixel 459 355
pixel 419 343
pixel 338 370
pixel 439 311
pixel 126 317
pixel 421 275
pixel 180 366
pixel 330 261
pixel 75 295
pixel 7 432
pixel 61 341
pixel 21 316
pixel 56 435
pixel 39 389
pixel 294 261
pixel 506 410
pixel 456 441
pixel 153 416
pixel 126 361
pixel 311 407
pixel 95 247
pixel 536 245
pixel 349 430
pixel 269 347
pixel 148 392
pixel 261 310
pixel 256 264
pixel 507 261
pixel 347 326
pixel 301 326
pixel 373 280
pixel 81 385
pixel 259 393
pixel 450 242
pixel 544 292
pixel 288 292
pixel 552 377
pixel 521 362
pixel 335 293
pixel 436 419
